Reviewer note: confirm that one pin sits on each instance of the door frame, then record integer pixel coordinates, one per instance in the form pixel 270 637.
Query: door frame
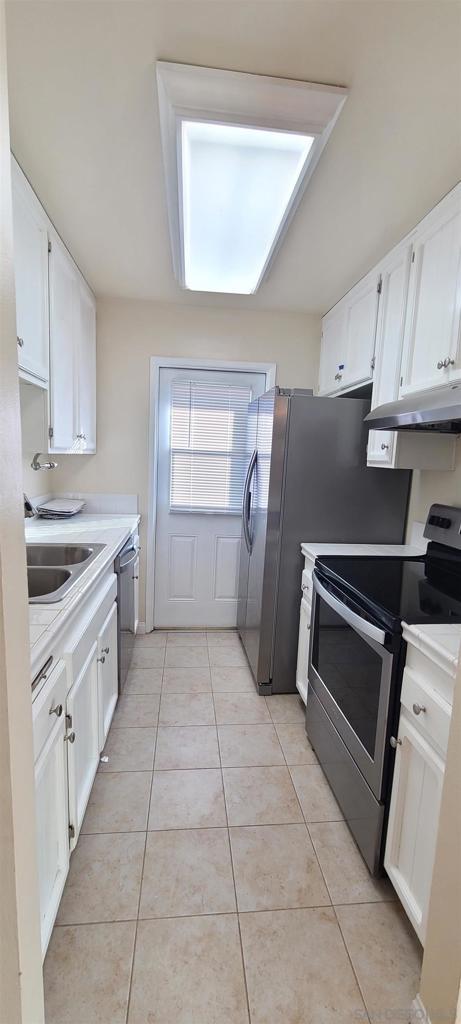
pixel 158 363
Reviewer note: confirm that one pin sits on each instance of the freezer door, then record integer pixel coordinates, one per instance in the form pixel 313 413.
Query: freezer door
pixel 265 517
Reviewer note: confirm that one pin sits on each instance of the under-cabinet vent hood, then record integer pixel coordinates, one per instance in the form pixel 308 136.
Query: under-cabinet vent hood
pixel 438 411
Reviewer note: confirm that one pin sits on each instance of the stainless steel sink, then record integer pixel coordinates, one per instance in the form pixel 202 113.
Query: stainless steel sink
pixel 57 554
pixel 53 569
pixel 46 580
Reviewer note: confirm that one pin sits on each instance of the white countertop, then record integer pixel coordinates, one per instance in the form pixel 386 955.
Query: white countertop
pixel 439 641
pixel 310 548
pixel 46 620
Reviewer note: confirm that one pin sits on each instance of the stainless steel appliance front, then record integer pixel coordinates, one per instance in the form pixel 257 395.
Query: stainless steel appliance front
pixel 124 566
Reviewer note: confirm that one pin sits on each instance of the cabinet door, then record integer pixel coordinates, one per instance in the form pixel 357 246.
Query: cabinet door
pixel 52 826
pixel 30 237
pixel 413 822
pixel 136 595
pixel 303 648
pixel 361 317
pixel 86 401
pixel 333 350
pixel 432 329
pixel 63 331
pixel 107 674
pixel 388 352
pixel 83 751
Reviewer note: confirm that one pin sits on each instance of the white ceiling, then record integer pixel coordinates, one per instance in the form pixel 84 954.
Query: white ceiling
pixel 85 128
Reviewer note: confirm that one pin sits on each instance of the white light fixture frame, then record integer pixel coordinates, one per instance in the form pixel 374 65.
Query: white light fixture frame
pixel 193 93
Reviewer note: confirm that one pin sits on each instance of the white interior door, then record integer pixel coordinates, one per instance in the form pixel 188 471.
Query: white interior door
pixel 200 473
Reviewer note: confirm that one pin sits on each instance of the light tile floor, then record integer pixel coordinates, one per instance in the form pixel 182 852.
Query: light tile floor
pixel 215 881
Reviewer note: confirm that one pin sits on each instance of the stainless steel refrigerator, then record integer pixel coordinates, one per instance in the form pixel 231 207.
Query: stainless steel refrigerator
pixel 307 480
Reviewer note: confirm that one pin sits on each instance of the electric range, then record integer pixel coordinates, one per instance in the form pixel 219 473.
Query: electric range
pixel 356 660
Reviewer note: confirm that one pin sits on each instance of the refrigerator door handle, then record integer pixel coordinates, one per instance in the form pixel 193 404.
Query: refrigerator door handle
pixel 246 504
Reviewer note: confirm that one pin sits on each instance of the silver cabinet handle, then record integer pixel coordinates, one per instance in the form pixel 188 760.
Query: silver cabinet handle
pixel 81 437
pixel 135 577
pixel 441 364
pixel 384 447
pixel 56 711
pixel 305 587
pixel 338 376
pixel 395 742
pixel 105 650
pixel 354 620
pixel 20 342
pixel 102 659
pixel 448 362
pixel 418 708
pixel 70 738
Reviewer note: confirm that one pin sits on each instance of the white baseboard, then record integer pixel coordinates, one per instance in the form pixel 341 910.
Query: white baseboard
pixel 418 1012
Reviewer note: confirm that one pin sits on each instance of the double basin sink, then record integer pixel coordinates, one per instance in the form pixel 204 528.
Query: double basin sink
pixel 52 569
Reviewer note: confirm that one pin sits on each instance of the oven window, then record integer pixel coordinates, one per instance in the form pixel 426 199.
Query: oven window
pixel 351 671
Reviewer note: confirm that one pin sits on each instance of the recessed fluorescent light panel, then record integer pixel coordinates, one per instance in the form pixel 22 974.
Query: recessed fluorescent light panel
pixel 238 152
pixel 237 186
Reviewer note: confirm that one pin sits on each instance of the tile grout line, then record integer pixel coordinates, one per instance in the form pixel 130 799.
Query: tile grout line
pixel 245 980
pixel 143 859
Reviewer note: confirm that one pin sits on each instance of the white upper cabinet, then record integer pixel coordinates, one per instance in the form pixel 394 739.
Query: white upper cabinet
pixel 394 273
pixel 348 338
pixel 63 338
pixel 432 344
pixel 72 356
pixel 86 370
pixel 30 239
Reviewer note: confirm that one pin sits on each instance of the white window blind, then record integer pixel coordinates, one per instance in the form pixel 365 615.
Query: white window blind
pixel 208 446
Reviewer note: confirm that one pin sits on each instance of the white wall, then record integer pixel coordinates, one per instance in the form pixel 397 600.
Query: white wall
pixel 129 333
pixel 429 486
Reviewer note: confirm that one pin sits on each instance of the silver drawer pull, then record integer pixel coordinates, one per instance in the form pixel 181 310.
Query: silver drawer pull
pixel 384 447
pixel 338 376
pixel 56 711
pixel 20 342
pixel 105 650
pixel 395 742
pixel 102 659
pixel 70 738
pixel 135 577
pixel 418 708
pixel 441 364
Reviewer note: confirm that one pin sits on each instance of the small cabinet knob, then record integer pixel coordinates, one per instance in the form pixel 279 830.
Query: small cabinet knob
pixel 441 364
pixel 70 738
pixel 395 742
pixel 135 577
pixel 102 659
pixel 448 362
pixel 56 710
pixel 384 447
pixel 105 650
pixel 20 341
pixel 418 708
pixel 338 376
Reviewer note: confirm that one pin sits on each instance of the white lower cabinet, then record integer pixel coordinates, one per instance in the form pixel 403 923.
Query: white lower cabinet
pixel 303 648
pixel 51 805
pixel 107 674
pixel 413 821
pixel 82 741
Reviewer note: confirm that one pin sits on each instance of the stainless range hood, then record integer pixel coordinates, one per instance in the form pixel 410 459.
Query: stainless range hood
pixel 437 411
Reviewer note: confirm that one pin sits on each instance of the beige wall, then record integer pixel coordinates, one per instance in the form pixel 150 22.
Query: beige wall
pixel 433 486
pixel 129 333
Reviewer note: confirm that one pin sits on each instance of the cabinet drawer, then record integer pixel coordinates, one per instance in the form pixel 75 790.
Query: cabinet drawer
pixel 52 696
pixel 434 721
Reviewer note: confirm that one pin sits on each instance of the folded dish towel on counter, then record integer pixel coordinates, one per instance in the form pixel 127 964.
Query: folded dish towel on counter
pixel 60 508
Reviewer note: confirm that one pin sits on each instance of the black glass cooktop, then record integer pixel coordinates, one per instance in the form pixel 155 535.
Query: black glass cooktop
pixel 392 590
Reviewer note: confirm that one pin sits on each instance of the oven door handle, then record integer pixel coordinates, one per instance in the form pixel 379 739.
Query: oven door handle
pixel 354 620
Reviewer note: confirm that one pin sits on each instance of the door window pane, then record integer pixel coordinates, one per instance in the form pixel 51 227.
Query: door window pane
pixel 208 446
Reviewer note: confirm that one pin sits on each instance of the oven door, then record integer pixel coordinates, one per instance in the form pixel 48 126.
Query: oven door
pixel 351 669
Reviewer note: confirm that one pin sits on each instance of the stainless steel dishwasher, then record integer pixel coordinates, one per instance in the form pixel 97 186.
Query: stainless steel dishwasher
pixel 125 565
